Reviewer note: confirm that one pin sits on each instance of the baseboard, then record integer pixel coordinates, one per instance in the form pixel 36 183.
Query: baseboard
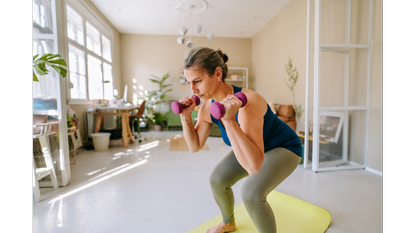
pixel 374 171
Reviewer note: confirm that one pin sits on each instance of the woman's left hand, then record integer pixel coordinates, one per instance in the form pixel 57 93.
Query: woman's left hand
pixel 231 104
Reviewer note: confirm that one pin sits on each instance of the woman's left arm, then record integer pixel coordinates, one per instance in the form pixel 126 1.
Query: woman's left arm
pixel 247 139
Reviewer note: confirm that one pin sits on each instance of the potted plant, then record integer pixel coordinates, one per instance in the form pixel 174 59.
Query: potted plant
pixel 291 81
pixel 158 119
pixel 52 60
pixel 159 96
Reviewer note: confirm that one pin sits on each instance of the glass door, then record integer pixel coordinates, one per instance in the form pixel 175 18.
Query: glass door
pixel 49 98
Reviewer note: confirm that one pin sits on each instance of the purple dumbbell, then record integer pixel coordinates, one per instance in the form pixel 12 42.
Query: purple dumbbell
pixel 218 111
pixel 177 107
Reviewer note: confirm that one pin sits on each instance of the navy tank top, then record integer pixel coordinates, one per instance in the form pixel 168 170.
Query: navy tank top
pixel 276 133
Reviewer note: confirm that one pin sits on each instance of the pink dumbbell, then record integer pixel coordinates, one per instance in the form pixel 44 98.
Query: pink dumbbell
pixel 218 111
pixel 177 107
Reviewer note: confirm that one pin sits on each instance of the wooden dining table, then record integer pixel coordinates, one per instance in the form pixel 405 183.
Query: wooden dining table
pixel 124 113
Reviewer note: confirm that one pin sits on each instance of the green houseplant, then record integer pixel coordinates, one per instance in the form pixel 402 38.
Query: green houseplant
pixel 291 81
pixel 51 60
pixel 159 96
pixel 158 119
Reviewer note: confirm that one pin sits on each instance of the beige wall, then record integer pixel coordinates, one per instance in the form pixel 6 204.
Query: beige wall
pixel 285 36
pixel 143 55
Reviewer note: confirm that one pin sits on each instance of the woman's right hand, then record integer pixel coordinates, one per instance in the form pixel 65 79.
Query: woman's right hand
pixel 190 102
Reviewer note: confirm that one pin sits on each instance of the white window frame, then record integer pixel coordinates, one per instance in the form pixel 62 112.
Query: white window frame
pixel 54 37
pixel 88 15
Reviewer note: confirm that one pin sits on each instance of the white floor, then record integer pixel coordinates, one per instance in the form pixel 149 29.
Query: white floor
pixel 146 188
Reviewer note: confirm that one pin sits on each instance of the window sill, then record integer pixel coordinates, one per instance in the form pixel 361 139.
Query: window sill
pixel 80 102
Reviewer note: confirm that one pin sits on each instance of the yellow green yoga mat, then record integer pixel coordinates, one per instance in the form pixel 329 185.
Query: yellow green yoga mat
pixel 292 215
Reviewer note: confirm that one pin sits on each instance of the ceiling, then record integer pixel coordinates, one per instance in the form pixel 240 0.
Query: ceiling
pixel 223 18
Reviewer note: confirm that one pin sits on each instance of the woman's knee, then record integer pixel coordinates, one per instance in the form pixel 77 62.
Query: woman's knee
pixel 252 196
pixel 216 180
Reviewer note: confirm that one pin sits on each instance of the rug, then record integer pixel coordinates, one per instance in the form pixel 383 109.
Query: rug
pixel 179 144
pixel 292 215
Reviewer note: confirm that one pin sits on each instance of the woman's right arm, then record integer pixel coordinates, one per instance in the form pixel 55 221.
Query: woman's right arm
pixel 196 136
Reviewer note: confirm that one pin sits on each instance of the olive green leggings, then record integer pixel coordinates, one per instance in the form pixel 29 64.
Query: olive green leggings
pixel 279 163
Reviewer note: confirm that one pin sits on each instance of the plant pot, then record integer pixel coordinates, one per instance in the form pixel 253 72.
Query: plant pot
pixel 157 128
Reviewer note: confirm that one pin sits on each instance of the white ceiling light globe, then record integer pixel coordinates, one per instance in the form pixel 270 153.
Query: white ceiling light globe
pixel 183 31
pixel 180 40
pixel 189 44
pixel 197 28
pixel 210 36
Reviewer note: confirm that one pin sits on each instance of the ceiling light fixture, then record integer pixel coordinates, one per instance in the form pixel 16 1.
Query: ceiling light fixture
pixel 190 7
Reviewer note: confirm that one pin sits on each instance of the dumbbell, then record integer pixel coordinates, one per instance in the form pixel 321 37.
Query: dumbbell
pixel 177 107
pixel 218 111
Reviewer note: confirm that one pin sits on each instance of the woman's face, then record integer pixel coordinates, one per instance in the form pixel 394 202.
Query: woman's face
pixel 201 83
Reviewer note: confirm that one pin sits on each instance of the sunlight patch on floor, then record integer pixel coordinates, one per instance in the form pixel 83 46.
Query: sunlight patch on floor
pixel 124 168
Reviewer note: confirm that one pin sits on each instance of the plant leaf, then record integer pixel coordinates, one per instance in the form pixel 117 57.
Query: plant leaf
pixel 35 56
pixel 155 77
pixel 58 61
pixel 151 94
pixel 45 56
pixel 35 77
pixel 155 81
pixel 166 76
pixel 53 56
pixel 40 68
pixel 62 72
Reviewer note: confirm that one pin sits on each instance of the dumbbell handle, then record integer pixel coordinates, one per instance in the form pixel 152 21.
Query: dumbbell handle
pixel 177 107
pixel 218 111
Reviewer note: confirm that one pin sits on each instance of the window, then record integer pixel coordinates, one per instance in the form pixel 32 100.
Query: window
pixel 108 86
pixel 42 17
pixel 106 48
pixel 77 73
pixel 44 89
pixel 90 57
pixel 75 26
pixel 95 78
pixel 93 41
pixel 44 41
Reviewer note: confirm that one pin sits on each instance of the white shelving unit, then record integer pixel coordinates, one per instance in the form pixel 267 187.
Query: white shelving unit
pixel 315 105
pixel 242 76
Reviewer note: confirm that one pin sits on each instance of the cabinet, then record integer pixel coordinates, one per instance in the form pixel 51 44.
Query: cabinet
pixel 339 80
pixel 238 76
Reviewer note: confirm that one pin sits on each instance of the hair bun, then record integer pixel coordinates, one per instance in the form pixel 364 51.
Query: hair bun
pixel 224 56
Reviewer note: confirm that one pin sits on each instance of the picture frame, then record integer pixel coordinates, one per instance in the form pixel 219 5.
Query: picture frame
pixel 331 124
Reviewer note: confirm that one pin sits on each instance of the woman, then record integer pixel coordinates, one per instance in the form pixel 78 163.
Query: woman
pixel 264 149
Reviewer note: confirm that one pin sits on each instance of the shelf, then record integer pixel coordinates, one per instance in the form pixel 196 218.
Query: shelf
pixel 340 108
pixel 242 75
pixel 239 79
pixel 340 47
pixel 238 68
pixel 316 58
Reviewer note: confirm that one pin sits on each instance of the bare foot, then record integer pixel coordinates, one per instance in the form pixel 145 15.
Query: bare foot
pixel 222 227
